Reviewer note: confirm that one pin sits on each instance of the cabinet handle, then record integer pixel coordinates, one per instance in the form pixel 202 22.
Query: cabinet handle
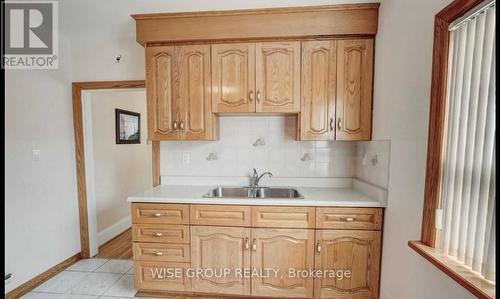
pixel 251 96
pixel 254 245
pixel 258 96
pixel 181 125
pixel 331 124
pixel 158 214
pixel 338 124
pixel 174 124
pixel 318 247
pixel 157 234
pixel 158 253
pixel 247 244
pixel 348 219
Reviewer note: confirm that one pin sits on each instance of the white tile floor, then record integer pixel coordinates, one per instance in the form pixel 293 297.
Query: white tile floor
pixel 90 278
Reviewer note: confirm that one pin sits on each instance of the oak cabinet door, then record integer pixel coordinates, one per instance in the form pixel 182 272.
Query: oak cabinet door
pixel 354 251
pixel 277 67
pixel 317 115
pixel 282 249
pixel 162 104
pixel 197 121
pixel 233 77
pixel 218 248
pixel 354 89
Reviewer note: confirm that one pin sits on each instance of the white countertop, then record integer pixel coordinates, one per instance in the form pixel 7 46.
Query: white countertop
pixel 352 196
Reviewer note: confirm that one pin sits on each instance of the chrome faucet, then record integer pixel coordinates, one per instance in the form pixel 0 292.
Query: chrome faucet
pixel 255 179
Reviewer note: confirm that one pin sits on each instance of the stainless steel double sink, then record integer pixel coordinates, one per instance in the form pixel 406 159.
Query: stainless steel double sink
pixel 254 192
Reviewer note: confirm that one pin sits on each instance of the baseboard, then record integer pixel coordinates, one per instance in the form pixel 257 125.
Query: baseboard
pixel 114 230
pixel 39 279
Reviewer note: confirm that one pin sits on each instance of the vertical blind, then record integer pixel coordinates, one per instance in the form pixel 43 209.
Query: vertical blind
pixel 468 177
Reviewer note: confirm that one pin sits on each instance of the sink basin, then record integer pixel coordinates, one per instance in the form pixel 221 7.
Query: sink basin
pixel 250 192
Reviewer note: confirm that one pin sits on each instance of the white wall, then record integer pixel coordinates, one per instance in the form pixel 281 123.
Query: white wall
pixel 100 30
pixel 403 59
pixel 120 170
pixel 41 212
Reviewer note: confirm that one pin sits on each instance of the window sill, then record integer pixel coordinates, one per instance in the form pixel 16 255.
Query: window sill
pixel 471 281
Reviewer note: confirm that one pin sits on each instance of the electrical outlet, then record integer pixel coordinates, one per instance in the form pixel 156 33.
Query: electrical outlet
pixel 186 158
pixel 35 155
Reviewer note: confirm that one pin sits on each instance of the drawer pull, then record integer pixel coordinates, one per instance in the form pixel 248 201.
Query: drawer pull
pixel 158 214
pixel 348 219
pixel 158 234
pixel 158 253
pixel 318 248
pixel 247 244
pixel 254 245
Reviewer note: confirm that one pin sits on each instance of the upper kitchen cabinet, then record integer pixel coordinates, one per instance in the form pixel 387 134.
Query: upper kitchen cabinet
pixel 256 77
pixel 277 68
pixel 179 93
pixel 196 119
pixel 337 78
pixel 163 115
pixel 302 61
pixel 233 77
pixel 354 89
pixel 317 113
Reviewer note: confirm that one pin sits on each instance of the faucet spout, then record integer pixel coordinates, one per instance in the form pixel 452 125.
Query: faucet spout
pixel 255 178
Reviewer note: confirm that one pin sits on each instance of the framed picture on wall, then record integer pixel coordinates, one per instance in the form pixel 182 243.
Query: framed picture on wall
pixel 128 127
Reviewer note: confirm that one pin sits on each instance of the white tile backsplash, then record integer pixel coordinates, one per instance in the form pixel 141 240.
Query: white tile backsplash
pixel 375 167
pixel 281 154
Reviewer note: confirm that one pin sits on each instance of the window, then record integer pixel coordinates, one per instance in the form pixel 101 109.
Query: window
pixel 458 227
pixel 467 232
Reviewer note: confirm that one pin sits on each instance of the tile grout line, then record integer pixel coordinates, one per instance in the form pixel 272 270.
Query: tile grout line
pixel 112 285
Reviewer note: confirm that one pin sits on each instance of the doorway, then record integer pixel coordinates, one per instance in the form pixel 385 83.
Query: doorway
pixel 108 170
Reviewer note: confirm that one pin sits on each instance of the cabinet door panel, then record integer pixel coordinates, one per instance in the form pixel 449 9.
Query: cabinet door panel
pixel 355 251
pixel 219 248
pixel 354 89
pixel 161 97
pixel 233 77
pixel 194 92
pixel 317 115
pixel 282 249
pixel 278 77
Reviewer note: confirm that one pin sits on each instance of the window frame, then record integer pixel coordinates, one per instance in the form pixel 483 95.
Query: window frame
pixel 428 239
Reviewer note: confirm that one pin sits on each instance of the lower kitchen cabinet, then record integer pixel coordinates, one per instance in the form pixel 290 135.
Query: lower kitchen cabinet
pixel 354 251
pixel 282 249
pixel 220 248
pixel 255 241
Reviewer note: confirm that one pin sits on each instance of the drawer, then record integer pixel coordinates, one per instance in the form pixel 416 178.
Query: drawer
pixel 291 217
pixel 220 215
pixel 161 276
pixel 162 252
pixel 160 213
pixel 160 233
pixel 349 218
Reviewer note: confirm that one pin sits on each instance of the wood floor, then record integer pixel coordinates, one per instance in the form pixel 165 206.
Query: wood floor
pixel 120 247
